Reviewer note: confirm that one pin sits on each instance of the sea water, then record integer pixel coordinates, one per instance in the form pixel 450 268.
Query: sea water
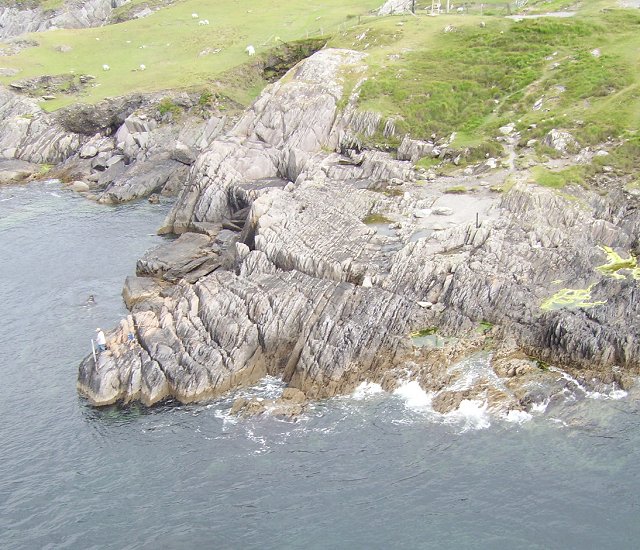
pixel 371 470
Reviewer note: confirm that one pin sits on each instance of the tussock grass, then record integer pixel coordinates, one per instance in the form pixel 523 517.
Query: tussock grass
pixel 584 70
pixel 558 179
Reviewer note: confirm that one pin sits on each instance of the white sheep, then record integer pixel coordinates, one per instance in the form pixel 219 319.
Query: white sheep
pixel 105 67
pixel 142 67
pixel 203 22
pixel 250 50
pixel 194 15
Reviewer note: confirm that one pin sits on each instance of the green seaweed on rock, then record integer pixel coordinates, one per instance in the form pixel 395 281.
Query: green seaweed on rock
pixel 371 219
pixel 424 332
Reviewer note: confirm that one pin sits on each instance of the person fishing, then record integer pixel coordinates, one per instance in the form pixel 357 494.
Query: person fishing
pixel 101 341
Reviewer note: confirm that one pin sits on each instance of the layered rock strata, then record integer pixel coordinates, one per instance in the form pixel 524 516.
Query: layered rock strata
pixel 317 266
pixel 116 151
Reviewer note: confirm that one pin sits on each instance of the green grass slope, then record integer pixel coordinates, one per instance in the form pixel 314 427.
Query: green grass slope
pixel 169 43
pixel 486 72
pixel 579 73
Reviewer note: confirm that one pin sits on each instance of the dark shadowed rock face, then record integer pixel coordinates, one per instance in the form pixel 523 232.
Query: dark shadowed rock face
pixel 104 116
pixel 292 262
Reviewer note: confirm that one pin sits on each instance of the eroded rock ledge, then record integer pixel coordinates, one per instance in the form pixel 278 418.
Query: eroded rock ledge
pixel 316 266
pixel 17 18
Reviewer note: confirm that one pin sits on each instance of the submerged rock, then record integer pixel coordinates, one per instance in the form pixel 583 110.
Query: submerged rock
pixel 17 171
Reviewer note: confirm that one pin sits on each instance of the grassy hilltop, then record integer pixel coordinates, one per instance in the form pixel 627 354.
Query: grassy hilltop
pixel 578 73
pixel 175 49
pixel 474 78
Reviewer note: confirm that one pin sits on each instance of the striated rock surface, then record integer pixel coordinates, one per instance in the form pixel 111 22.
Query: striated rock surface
pixel 396 7
pixel 329 269
pixel 30 134
pixel 291 119
pixel 17 19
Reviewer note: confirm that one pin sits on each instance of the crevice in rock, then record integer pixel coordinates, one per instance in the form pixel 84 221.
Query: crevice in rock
pixel 282 58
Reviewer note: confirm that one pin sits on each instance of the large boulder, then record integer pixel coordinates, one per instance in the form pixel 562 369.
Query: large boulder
pixel 397 7
pixel 17 171
pixel 561 141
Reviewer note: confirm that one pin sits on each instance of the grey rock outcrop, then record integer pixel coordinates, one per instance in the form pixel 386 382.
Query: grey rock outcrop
pixel 143 179
pixel 140 289
pixel 291 119
pixel 30 134
pixel 227 331
pixel 414 149
pixel 396 7
pixel 128 152
pixel 16 171
pixel 292 262
pixel 561 141
pixel 73 14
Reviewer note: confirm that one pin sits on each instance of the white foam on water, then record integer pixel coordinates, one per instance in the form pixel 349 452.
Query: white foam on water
pixel 517 417
pixel 470 371
pixel 618 394
pixel 540 407
pixel 365 390
pixel 226 417
pixel 472 413
pixel 614 393
pixel 414 396
pixel 268 387
pixel 260 441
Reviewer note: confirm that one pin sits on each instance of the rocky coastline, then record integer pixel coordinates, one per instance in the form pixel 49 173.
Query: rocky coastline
pixel 305 259
pixel 305 255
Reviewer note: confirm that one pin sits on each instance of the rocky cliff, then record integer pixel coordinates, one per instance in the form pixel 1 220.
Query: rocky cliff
pixel 18 18
pixel 118 150
pixel 303 257
pixel 30 134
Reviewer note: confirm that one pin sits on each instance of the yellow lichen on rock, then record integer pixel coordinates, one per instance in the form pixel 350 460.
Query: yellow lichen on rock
pixel 616 263
pixel 570 298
